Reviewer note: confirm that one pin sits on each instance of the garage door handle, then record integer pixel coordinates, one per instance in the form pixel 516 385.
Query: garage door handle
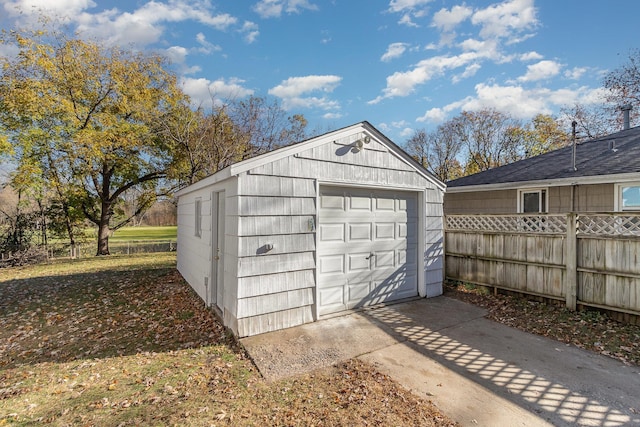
pixel 370 255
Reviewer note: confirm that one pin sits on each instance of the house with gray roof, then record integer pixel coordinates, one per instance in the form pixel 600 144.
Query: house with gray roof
pixel 598 175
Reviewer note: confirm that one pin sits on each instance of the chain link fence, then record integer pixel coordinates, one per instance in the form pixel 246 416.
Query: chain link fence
pixel 88 249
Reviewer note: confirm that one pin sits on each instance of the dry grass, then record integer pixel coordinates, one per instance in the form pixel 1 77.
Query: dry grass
pixel 124 341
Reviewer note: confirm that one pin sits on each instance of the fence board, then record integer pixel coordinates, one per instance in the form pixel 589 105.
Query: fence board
pixel 537 257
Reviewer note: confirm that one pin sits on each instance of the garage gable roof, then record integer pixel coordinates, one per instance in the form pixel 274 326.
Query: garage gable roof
pixel 364 127
pixel 605 159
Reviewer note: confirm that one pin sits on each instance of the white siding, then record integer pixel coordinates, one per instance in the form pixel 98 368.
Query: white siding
pixel 434 243
pixel 194 253
pixel 270 228
pixel 277 205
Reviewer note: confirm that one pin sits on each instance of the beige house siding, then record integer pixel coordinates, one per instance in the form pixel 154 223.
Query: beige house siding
pixel 595 198
pixel 481 202
pixel 587 198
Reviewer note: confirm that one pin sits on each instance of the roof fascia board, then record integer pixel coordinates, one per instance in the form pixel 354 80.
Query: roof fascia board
pixel 205 182
pixel 582 180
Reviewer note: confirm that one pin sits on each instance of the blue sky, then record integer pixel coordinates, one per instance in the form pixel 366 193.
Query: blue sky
pixel 399 64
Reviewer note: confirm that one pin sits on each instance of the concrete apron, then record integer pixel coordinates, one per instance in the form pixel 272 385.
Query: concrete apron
pixel 476 371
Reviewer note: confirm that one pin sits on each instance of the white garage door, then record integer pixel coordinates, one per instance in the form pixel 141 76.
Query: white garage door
pixel 367 247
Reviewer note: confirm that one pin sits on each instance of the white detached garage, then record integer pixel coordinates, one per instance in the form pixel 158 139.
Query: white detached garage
pixel 340 221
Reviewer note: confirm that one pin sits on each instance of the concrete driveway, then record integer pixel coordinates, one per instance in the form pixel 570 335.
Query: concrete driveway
pixel 478 372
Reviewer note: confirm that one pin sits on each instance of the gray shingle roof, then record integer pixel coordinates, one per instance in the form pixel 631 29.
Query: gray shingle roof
pixel 617 153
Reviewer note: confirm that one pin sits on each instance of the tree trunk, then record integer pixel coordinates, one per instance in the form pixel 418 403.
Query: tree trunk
pixel 103 230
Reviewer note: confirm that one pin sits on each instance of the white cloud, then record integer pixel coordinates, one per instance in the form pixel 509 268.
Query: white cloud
pixel 575 73
pixel 434 115
pixel 506 19
pixel 404 5
pixel 469 71
pixel 332 116
pixel 58 8
pixel 204 92
pixel 9 50
pixel 404 83
pixel 519 102
pixel 205 46
pixel 486 48
pixel 177 54
pixel 294 91
pixel 406 20
pixel 296 86
pixel 400 123
pixel 395 50
pixel 530 56
pixel 144 25
pixel 409 9
pixel 250 30
pixel 540 71
pixel 447 20
pixel 497 25
pixel 275 8
pixel 406 132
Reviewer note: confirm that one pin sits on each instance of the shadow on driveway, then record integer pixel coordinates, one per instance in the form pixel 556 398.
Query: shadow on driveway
pixel 477 371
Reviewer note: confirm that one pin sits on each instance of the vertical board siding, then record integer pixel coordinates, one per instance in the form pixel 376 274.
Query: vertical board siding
pixel 608 270
pixel 536 263
pixel 522 262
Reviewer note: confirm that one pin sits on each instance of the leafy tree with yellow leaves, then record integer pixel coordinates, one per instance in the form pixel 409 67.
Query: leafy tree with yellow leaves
pixel 80 118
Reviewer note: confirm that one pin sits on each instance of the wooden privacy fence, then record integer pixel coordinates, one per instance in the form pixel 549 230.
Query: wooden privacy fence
pixel 592 259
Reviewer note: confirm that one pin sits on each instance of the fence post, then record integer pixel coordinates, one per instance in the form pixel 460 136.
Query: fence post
pixel 571 287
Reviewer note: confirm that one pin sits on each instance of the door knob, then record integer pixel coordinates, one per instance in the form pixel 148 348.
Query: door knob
pixel 370 255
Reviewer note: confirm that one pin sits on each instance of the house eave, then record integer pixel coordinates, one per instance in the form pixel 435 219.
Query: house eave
pixel 559 182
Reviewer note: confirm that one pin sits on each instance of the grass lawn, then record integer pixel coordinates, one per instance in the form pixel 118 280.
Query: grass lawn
pixel 145 233
pixel 122 340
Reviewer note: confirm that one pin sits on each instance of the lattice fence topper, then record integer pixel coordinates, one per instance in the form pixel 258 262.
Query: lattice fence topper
pixel 609 225
pixel 509 223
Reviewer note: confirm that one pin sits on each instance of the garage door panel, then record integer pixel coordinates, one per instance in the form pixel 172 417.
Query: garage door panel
pixel 383 259
pixel 331 300
pixel 331 264
pixel 332 232
pixel 407 257
pixel 358 262
pixel 333 202
pixel 385 204
pixel 358 223
pixel 358 231
pixel 360 203
pixel 358 294
pixel 385 231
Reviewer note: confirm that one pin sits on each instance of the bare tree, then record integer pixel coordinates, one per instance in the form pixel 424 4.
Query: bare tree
pixel 491 138
pixel 437 151
pixel 593 121
pixel 207 142
pixel 623 85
